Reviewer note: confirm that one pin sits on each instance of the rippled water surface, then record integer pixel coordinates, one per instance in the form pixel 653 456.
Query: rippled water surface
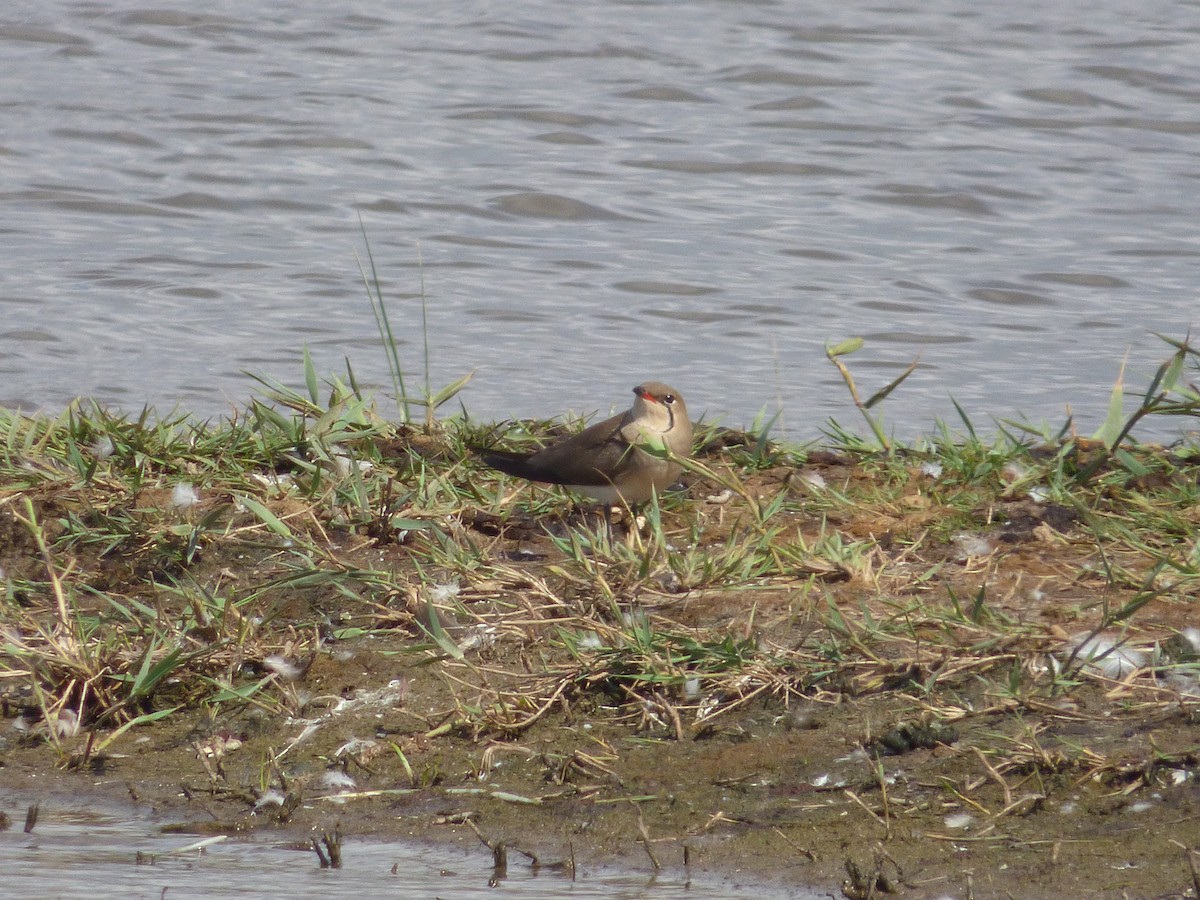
pixel 80 852
pixel 595 194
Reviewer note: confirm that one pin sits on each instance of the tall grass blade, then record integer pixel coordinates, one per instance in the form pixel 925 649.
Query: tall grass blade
pixel 1112 431
pixel 310 378
pixel 383 324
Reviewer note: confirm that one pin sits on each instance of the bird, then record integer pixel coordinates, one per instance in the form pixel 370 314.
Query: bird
pixel 618 461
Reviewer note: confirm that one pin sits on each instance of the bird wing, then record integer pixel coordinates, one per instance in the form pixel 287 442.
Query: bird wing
pixel 596 456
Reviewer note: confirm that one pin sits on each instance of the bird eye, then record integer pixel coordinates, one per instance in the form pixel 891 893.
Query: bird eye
pixel 668 398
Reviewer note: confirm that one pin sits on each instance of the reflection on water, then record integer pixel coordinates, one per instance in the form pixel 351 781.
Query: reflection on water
pixel 89 853
pixel 592 197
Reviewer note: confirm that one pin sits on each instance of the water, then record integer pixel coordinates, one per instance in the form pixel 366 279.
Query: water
pixel 83 851
pixel 589 196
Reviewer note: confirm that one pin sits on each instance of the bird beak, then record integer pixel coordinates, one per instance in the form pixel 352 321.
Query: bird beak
pixel 645 394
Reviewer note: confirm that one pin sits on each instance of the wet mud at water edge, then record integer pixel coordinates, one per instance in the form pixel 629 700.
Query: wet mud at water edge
pixel 854 673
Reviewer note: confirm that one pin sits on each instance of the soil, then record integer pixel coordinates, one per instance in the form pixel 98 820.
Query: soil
pixel 931 770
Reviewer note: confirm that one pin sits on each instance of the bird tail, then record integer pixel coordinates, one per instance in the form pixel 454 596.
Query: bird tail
pixel 508 462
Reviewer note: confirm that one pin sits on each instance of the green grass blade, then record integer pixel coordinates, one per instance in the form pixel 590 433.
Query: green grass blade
pixel 267 517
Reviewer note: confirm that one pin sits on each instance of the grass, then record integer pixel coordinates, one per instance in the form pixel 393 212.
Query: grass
pixel 89 493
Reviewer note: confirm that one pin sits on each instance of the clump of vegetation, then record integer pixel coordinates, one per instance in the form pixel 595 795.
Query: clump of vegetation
pixel 963 597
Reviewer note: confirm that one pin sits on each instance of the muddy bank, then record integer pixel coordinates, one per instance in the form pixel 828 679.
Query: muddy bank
pixel 857 673
pixel 782 795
